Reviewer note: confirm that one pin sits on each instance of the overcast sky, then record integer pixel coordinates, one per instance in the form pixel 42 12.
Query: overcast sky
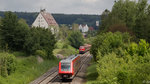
pixel 58 6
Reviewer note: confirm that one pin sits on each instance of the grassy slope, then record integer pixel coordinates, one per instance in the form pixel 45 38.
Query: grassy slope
pixel 91 74
pixel 64 49
pixel 27 70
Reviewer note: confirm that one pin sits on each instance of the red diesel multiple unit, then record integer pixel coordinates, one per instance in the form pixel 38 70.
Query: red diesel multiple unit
pixel 85 48
pixel 69 67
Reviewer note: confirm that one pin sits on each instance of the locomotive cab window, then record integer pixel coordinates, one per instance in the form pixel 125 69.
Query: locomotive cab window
pixel 65 67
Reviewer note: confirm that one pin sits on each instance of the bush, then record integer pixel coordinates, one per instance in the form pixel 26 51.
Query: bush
pixel 19 54
pixel 40 39
pixel 108 42
pixel 76 39
pixel 142 48
pixel 129 70
pixel 41 53
pixel 8 64
pixel 133 48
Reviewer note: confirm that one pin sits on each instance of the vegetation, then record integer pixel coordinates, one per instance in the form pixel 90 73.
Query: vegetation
pixel 91 73
pixel 17 38
pixel 13 32
pixel 40 39
pixel 123 58
pixel 107 42
pixel 28 69
pixel 8 64
pixel 128 16
pixel 64 49
pixel 67 19
pixel 76 39
pixel 119 60
pixel 16 35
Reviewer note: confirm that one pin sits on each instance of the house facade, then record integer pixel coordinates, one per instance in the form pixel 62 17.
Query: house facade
pixel 83 28
pixel 46 20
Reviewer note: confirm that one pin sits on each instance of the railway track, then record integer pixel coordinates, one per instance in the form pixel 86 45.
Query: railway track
pixel 52 77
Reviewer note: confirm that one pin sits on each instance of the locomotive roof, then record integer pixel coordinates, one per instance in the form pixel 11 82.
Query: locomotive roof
pixel 70 58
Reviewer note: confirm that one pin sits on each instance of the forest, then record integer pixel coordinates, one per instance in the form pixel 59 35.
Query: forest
pixel 121 50
pixel 67 19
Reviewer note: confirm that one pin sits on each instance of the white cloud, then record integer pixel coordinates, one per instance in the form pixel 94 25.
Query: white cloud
pixel 90 1
pixel 58 6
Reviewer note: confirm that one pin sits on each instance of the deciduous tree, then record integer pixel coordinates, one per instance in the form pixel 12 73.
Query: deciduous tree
pixel 76 39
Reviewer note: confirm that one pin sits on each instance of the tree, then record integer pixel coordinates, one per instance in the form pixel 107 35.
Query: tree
pixel 20 35
pixel 134 15
pixel 76 39
pixel 123 12
pixel 40 39
pixel 75 27
pixel 9 25
pixel 63 33
pixel 142 23
pixel 105 14
pixel 13 31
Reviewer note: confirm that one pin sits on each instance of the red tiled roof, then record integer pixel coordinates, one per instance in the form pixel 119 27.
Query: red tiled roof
pixel 49 19
pixel 91 28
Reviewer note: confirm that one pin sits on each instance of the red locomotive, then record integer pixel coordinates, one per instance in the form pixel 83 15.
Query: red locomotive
pixel 69 67
pixel 85 48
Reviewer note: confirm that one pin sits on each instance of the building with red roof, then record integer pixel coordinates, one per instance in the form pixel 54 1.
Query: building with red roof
pixel 46 20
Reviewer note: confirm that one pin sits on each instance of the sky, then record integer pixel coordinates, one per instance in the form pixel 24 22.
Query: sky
pixel 58 6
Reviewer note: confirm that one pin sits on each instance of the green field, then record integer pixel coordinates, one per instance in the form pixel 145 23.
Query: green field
pixel 91 74
pixel 28 69
pixel 64 49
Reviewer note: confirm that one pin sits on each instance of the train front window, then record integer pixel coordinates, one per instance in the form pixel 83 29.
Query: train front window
pixel 65 67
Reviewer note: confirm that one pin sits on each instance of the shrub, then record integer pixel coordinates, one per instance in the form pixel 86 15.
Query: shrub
pixel 19 54
pixel 76 39
pixel 122 77
pixel 40 39
pixel 108 42
pixel 8 64
pixel 133 48
pixel 141 49
pixel 119 27
pixel 65 46
pixel 128 70
pixel 41 53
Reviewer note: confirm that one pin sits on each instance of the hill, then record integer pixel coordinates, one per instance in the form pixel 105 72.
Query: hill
pixel 67 19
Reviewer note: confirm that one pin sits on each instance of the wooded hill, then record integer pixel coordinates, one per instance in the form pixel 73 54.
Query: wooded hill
pixel 67 19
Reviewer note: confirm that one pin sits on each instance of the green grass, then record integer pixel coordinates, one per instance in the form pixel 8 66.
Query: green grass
pixel 27 70
pixel 92 74
pixel 64 49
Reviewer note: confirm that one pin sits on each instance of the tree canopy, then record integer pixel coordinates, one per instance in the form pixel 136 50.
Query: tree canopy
pixel 76 39
pixel 133 15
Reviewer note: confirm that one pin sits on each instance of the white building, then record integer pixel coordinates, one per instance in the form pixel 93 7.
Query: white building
pixel 46 20
pixel 83 28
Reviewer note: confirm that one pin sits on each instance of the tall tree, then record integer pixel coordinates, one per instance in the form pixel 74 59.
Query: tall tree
pixel 75 27
pixel 13 31
pixel 20 34
pixel 76 39
pixel 141 21
pixel 9 25
pixel 40 39
pixel 63 33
